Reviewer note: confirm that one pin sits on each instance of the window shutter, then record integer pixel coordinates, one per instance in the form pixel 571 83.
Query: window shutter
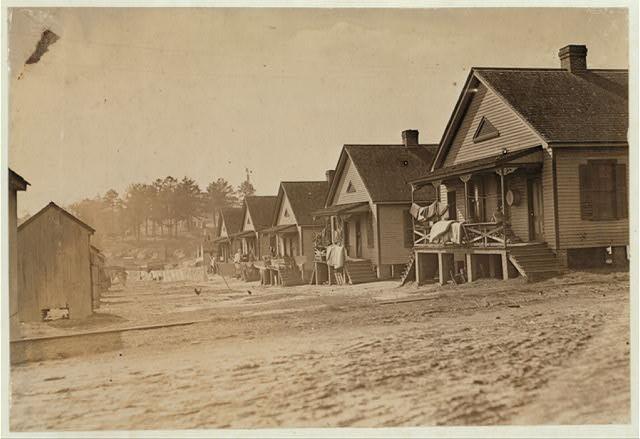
pixel 370 230
pixel 408 229
pixel 586 202
pixel 622 208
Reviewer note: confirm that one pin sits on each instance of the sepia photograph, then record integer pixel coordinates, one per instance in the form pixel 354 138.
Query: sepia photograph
pixel 224 219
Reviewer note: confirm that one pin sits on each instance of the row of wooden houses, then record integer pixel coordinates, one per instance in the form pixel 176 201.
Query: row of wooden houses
pixel 529 178
pixel 55 272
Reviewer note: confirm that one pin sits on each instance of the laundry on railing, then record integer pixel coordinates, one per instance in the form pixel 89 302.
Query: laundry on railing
pixel 425 213
pixel 446 231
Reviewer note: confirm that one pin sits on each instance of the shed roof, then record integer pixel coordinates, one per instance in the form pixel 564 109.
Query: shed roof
pixel 304 198
pixel 17 180
pixel 386 169
pixel 53 205
pixel 261 210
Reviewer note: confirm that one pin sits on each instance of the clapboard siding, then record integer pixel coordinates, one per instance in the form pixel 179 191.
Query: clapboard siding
pixel 574 231
pixel 350 174
pixel 247 221
pixel 285 207
pixel 54 266
pixel 514 133
pixel 548 200
pixel 519 214
pixel 392 231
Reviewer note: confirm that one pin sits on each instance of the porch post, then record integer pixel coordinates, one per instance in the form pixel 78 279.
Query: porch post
pixel 441 277
pixel 465 179
pixel 417 262
pixel 470 273
pixel 505 266
pixel 504 209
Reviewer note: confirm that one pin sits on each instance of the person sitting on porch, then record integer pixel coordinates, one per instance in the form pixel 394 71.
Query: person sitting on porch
pixel 498 215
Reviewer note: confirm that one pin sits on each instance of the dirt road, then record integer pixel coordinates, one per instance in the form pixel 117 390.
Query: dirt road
pixel 482 353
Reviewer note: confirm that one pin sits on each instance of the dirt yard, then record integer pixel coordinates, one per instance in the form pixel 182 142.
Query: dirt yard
pixel 374 355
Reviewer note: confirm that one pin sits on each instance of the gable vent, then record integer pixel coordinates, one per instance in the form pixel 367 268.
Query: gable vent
pixel 485 131
pixel 351 188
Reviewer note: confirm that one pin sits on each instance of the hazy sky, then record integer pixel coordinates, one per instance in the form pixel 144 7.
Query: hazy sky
pixel 128 95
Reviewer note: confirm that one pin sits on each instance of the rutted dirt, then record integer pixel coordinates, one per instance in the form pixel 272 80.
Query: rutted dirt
pixel 483 353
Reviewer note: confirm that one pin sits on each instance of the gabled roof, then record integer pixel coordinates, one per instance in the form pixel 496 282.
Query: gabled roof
pixel 304 198
pixel 232 218
pixel 385 169
pixel 261 210
pixel 560 106
pixel 566 107
pixel 17 181
pixel 53 205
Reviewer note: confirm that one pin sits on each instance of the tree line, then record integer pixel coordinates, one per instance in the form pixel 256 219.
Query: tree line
pixel 159 208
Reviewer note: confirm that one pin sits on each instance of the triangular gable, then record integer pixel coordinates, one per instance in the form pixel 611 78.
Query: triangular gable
pixel 64 213
pixel 247 222
pixel 348 186
pixel 285 212
pixel 223 229
pixel 482 125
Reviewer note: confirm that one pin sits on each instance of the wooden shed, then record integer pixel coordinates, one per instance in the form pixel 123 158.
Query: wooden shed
pixel 545 149
pixel 16 183
pixel 54 262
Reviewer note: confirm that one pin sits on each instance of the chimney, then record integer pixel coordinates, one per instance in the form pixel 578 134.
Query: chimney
pixel 330 174
pixel 573 58
pixel 410 138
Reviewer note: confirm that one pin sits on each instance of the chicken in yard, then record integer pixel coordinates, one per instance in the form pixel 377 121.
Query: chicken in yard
pixel 197 291
pixel 249 292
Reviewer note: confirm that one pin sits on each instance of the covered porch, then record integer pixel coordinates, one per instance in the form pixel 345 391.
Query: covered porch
pixel 486 212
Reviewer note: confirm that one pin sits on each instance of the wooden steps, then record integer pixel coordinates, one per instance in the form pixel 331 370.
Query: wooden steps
pixel 409 269
pixel 360 271
pixel 535 262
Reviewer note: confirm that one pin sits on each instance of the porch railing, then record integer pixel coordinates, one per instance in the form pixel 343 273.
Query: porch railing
pixel 481 234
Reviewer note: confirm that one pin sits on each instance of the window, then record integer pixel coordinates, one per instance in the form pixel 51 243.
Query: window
pixel 408 229
pixel 603 190
pixel 286 213
pixel 351 188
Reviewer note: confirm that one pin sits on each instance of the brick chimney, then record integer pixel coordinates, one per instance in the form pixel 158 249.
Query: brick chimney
pixel 410 138
pixel 330 174
pixel 573 58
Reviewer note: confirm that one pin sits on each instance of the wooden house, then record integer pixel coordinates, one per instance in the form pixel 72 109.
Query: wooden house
pixel 54 258
pixel 368 204
pixel 16 183
pixel 293 224
pixel 546 149
pixel 228 223
pixel 257 214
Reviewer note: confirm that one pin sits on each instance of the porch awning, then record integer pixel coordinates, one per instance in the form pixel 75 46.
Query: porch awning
pixel 221 240
pixel 339 209
pixel 282 228
pixel 245 234
pixel 485 164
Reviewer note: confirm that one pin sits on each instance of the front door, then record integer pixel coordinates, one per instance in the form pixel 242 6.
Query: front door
pixel 536 210
pixel 358 239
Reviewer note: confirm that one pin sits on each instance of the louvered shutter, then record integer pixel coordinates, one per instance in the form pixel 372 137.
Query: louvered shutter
pixel 408 229
pixel 586 202
pixel 622 209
